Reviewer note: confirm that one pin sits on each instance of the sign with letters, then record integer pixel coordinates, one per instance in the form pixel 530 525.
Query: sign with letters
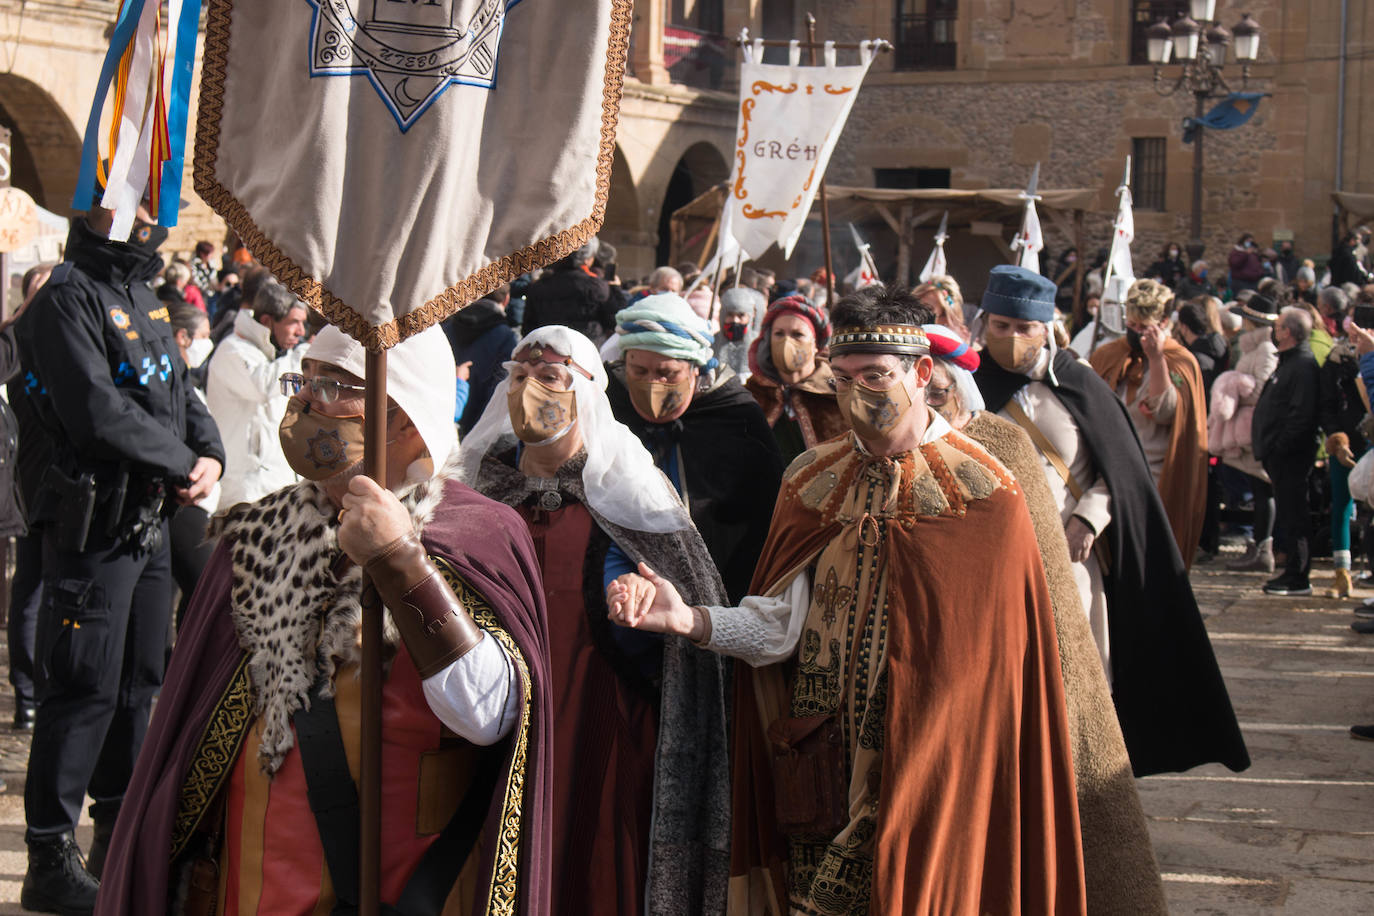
pixel 391 161
pixel 6 158
pixel 18 219
pixel 790 118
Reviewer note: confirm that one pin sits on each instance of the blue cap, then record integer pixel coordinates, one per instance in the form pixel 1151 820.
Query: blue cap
pixel 1016 292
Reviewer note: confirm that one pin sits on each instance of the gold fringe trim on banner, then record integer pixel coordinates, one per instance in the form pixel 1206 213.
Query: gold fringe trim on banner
pixel 310 290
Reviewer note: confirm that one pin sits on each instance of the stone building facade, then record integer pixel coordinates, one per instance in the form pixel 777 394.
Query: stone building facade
pixel 1015 82
pixel 978 91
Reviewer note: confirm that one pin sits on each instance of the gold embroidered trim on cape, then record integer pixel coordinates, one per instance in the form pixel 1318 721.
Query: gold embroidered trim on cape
pixel 502 898
pixel 214 757
pixel 469 289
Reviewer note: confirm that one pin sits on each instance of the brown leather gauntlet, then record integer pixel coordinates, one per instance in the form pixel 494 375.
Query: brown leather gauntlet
pixel 437 629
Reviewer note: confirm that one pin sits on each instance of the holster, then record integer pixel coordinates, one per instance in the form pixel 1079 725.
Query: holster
pixel 437 629
pixel 810 782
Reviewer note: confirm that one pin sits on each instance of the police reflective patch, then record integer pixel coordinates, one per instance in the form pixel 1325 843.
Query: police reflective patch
pixel 410 50
pixel 120 318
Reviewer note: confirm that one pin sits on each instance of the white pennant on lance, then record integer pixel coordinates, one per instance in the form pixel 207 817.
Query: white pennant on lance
pixel 1119 272
pixel 1030 241
pixel 1120 257
pixel 866 274
pixel 936 266
pixel 790 118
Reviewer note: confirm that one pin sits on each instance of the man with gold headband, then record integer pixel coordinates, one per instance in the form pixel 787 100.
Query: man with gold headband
pixel 900 737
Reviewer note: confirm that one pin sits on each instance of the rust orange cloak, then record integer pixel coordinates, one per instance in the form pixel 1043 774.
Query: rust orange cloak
pixel 1183 481
pixel 977 811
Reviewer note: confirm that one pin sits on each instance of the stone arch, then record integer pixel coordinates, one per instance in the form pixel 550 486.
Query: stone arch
pixel 623 224
pixel 700 167
pixel 46 145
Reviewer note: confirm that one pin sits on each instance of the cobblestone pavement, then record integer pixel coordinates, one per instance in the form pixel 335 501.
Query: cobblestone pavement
pixel 1293 834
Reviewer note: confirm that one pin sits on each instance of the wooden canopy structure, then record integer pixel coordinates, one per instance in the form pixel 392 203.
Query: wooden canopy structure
pixel 981 224
pixel 992 215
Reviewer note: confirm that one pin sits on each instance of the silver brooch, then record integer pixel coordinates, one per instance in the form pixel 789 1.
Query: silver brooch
pixel 550 500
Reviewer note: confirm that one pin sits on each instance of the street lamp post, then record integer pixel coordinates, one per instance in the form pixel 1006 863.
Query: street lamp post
pixel 1200 44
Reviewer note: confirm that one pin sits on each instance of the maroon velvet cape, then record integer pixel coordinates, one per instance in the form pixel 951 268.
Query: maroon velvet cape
pixel 489 545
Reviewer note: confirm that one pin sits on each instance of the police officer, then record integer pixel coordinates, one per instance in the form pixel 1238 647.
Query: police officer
pixel 130 441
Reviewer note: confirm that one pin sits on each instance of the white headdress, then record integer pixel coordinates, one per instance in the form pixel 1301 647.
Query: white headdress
pixel 622 483
pixel 419 378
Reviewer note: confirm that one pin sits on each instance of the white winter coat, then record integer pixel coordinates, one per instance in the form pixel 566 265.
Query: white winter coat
pixel 245 399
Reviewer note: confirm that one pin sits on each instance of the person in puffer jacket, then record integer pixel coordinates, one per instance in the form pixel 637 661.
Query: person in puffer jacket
pixel 1234 395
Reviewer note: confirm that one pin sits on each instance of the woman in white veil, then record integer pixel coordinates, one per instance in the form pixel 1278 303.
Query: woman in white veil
pixel 641 770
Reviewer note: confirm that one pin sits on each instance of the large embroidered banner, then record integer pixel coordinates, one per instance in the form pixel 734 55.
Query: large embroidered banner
pixel 790 118
pixel 393 160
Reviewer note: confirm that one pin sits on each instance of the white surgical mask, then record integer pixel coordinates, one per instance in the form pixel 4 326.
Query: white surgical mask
pixel 197 351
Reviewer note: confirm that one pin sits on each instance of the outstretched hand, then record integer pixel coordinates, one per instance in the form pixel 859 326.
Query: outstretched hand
pixel 647 601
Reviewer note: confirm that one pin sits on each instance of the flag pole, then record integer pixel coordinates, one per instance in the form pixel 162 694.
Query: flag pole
pixel 370 763
pixel 1107 273
pixel 820 188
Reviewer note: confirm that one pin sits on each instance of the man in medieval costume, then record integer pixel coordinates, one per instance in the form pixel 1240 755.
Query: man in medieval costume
pixel 1169 694
pixel 1119 866
pixel 1159 381
pixel 901 744
pixel 641 773
pixel 790 376
pixel 704 430
pixel 244 798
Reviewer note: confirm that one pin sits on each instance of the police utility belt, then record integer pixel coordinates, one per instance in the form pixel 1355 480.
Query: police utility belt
pixel 123 507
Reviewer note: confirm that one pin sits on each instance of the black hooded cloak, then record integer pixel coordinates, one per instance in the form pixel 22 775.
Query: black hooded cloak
pixel 1171 700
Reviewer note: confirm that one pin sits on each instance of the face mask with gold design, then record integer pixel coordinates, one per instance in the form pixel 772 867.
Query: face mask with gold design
pixel 872 413
pixel 656 400
pixel 540 415
pixel 792 355
pixel 318 446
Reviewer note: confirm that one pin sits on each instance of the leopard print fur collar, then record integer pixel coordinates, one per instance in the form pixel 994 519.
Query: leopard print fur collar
pixel 296 620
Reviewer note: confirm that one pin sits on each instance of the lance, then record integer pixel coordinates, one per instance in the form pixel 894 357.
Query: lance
pixel 1107 273
pixel 1030 197
pixel 865 257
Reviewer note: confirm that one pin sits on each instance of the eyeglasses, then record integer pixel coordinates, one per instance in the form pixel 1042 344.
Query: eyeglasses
pixel 878 381
pixel 936 397
pixel 326 390
pixel 553 374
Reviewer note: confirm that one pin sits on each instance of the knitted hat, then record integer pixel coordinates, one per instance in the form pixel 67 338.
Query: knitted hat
pixel 667 325
pixel 760 352
pixel 802 308
pixel 1015 292
pixel 949 346
pixel 738 301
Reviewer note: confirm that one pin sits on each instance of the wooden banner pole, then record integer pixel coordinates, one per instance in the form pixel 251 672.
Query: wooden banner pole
pixel 370 781
pixel 820 189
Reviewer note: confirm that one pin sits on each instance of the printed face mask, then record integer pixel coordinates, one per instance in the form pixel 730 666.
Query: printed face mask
pixel 1015 354
pixel 319 447
pixel 658 400
pixel 872 413
pixel 197 351
pixel 733 332
pixel 792 355
pixel 539 414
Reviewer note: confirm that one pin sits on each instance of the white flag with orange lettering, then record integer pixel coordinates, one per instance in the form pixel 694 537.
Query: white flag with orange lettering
pixel 790 118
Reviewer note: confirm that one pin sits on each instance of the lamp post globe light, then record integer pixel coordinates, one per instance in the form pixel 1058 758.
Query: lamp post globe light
pixel 1199 43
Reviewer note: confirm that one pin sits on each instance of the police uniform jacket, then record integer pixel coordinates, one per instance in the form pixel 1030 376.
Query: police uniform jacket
pixel 103 371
